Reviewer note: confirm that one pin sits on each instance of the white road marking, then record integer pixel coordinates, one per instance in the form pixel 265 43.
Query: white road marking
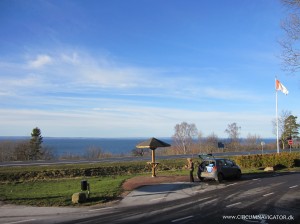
pixel 202 199
pixel 231 184
pixel 207 202
pixel 99 209
pixel 256 179
pixel 178 220
pixel 228 206
pixel 155 199
pixel 293 186
pixel 22 221
pixel 265 195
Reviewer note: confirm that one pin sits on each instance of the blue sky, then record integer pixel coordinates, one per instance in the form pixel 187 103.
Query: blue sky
pixel 136 68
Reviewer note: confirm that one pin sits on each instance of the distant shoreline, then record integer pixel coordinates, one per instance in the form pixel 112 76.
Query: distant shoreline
pixel 79 145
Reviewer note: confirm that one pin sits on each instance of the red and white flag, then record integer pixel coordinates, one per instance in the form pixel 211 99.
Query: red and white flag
pixel 279 86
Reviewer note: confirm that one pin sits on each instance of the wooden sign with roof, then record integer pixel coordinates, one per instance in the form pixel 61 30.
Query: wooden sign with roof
pixel 152 144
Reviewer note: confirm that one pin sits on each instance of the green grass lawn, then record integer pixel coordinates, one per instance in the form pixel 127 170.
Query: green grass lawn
pixel 59 192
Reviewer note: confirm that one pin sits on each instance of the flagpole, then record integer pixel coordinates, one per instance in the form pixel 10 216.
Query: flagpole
pixel 277 129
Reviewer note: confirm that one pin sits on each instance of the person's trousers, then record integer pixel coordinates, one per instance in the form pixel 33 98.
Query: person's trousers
pixel 191 176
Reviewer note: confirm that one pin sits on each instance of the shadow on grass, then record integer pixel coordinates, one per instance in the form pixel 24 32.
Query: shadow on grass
pixel 100 199
pixel 37 198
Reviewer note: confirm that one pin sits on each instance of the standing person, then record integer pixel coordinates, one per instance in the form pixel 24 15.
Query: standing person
pixel 191 168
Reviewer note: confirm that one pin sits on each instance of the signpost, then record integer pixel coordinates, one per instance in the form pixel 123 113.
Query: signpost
pixel 262 147
pixel 290 142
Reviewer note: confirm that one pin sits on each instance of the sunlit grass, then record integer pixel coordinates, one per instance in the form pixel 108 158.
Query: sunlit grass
pixel 59 192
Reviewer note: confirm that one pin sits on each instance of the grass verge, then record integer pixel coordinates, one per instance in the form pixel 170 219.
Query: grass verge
pixel 58 192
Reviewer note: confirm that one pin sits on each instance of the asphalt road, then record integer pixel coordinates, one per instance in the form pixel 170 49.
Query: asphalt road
pixel 260 198
pixel 125 159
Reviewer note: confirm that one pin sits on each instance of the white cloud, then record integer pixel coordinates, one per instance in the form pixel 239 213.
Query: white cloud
pixel 111 77
pixel 229 94
pixel 79 72
pixel 130 121
pixel 40 61
pixel 70 58
pixel 128 100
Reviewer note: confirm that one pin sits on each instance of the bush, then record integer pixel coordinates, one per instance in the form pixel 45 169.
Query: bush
pixel 100 170
pixel 283 159
pixel 120 169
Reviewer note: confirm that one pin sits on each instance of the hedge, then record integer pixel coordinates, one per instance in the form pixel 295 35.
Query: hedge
pixel 100 170
pixel 284 159
pixel 111 169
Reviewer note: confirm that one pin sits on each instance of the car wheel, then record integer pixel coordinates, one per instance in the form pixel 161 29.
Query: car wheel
pixel 220 177
pixel 238 174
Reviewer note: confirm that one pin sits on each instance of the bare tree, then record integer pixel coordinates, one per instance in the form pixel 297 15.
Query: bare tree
pixel 142 152
pixel 290 43
pixel 281 118
pixel 183 137
pixel 253 141
pixel 200 141
pixel 23 151
pixel 93 152
pixel 7 150
pixel 281 121
pixel 211 143
pixel 48 153
pixel 233 131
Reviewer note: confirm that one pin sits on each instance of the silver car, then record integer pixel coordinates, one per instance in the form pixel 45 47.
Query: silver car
pixel 217 168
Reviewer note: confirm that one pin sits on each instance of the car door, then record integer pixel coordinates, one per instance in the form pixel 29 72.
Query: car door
pixel 230 168
pixel 222 167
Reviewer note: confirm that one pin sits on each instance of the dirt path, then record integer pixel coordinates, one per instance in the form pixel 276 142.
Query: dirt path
pixel 140 181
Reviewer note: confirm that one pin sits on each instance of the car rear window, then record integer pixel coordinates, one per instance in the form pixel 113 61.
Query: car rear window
pixel 208 165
